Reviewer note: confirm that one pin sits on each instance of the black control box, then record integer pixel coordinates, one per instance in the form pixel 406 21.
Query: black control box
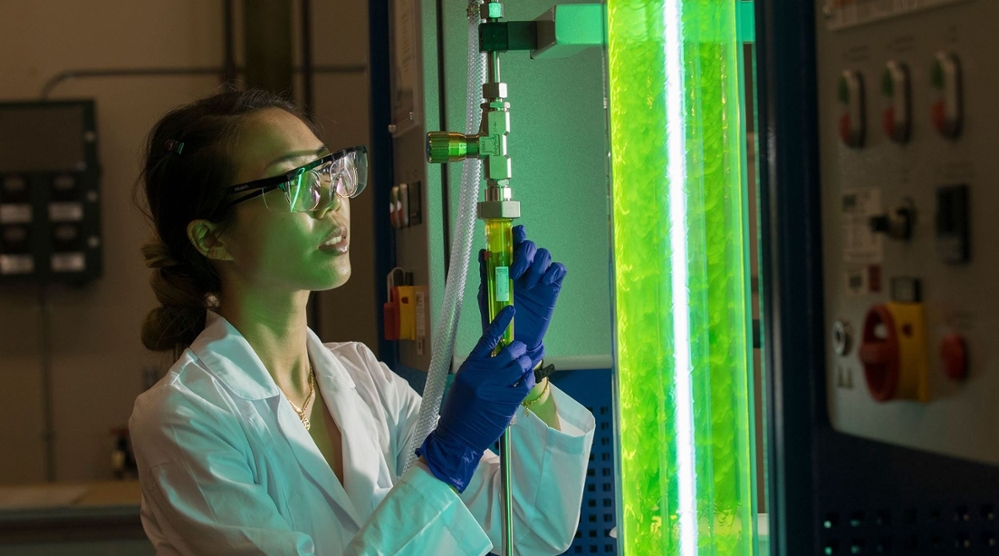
pixel 49 193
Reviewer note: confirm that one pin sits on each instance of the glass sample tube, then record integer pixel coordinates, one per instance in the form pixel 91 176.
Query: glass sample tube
pixel 499 257
pixel 499 289
pixel 684 404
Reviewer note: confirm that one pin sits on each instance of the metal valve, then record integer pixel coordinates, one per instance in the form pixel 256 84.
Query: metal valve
pixel 445 146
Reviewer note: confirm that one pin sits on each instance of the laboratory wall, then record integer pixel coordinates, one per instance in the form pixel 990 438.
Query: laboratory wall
pixel 95 360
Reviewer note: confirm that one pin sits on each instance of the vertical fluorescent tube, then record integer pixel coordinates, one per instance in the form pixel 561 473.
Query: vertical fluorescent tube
pixel 676 169
pixel 682 318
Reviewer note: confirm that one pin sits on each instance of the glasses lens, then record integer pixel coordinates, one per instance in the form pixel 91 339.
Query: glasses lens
pixel 321 183
pixel 350 173
pixel 299 194
pixel 360 157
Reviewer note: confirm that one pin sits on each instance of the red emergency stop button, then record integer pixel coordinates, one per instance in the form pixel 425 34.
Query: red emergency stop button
pixel 879 353
pixel 954 355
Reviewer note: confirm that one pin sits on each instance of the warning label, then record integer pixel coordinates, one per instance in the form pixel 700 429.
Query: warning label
pixel 861 246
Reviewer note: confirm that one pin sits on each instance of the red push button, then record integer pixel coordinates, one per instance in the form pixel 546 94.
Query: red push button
pixel 853 116
pixel 896 91
pixel 954 355
pixel 947 110
pixel 888 121
pixel 939 116
pixel 844 129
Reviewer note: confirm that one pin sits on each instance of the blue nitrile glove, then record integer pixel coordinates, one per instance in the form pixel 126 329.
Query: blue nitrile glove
pixel 536 284
pixel 479 405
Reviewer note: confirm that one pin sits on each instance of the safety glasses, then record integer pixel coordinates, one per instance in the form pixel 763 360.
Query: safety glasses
pixel 310 187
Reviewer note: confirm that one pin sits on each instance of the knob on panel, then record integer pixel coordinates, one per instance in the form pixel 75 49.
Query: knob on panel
pixel 893 352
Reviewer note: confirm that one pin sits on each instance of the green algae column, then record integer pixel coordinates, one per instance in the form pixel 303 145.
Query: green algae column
pixel 681 275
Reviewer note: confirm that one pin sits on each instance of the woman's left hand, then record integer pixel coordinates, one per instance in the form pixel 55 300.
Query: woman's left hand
pixel 536 285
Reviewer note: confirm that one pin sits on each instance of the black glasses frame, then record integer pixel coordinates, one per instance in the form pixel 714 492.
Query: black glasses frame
pixel 265 185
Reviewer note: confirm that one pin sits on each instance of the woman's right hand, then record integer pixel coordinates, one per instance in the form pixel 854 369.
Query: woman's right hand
pixel 479 406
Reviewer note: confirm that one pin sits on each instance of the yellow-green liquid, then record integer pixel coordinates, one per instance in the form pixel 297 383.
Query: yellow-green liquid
pixel 499 286
pixel 684 400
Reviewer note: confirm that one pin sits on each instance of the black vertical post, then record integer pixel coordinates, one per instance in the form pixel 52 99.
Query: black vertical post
pixel 268 44
pixel 308 110
pixel 229 56
pixel 442 125
pixel 382 161
pixel 791 265
pixel 306 46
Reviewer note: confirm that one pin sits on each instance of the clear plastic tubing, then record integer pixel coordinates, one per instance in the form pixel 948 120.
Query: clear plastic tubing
pixel 461 248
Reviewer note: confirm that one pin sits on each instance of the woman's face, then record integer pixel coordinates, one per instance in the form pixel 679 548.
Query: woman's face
pixel 289 251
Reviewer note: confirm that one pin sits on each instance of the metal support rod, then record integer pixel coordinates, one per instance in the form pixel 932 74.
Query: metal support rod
pixel 507 486
pixel 306 52
pixel 506 448
pixel 70 75
pixel 228 32
pixel 48 408
pixel 493 67
pixel 267 45
pixel 315 307
pixel 498 211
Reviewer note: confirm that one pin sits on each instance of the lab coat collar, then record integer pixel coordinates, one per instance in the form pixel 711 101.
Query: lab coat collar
pixel 227 353
pixel 360 451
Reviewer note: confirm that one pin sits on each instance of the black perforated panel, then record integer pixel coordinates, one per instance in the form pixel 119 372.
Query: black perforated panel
pixel 597 518
pixel 874 498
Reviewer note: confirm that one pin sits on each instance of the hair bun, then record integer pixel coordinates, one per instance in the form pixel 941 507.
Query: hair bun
pixel 168 327
pixel 157 254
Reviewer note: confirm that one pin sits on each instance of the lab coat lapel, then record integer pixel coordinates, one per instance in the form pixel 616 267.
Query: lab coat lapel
pixel 361 453
pixel 231 358
pixel 311 460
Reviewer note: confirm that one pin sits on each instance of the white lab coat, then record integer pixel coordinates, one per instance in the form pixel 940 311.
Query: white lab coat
pixel 227 468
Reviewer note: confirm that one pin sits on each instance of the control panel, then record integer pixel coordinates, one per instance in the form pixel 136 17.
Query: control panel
pixel 910 198
pixel 49 193
pixel 417 195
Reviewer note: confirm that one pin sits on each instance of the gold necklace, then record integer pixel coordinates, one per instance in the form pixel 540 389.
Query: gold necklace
pixel 308 400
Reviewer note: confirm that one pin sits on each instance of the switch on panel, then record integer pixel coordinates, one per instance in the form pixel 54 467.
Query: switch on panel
pixel 896 88
pixel 948 104
pixel 893 352
pixel 897 223
pixel 853 116
pixel 406 205
pixel 394 206
pixel 953 224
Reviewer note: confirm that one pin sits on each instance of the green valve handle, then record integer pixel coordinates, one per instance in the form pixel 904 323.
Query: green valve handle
pixel 445 146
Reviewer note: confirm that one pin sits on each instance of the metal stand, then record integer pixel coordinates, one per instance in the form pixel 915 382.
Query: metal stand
pixel 490 145
pixel 507 485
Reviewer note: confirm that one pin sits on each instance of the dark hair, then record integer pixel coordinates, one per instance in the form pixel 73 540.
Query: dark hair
pixel 188 163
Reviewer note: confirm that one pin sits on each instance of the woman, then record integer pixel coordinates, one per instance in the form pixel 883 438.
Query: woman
pixel 263 440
